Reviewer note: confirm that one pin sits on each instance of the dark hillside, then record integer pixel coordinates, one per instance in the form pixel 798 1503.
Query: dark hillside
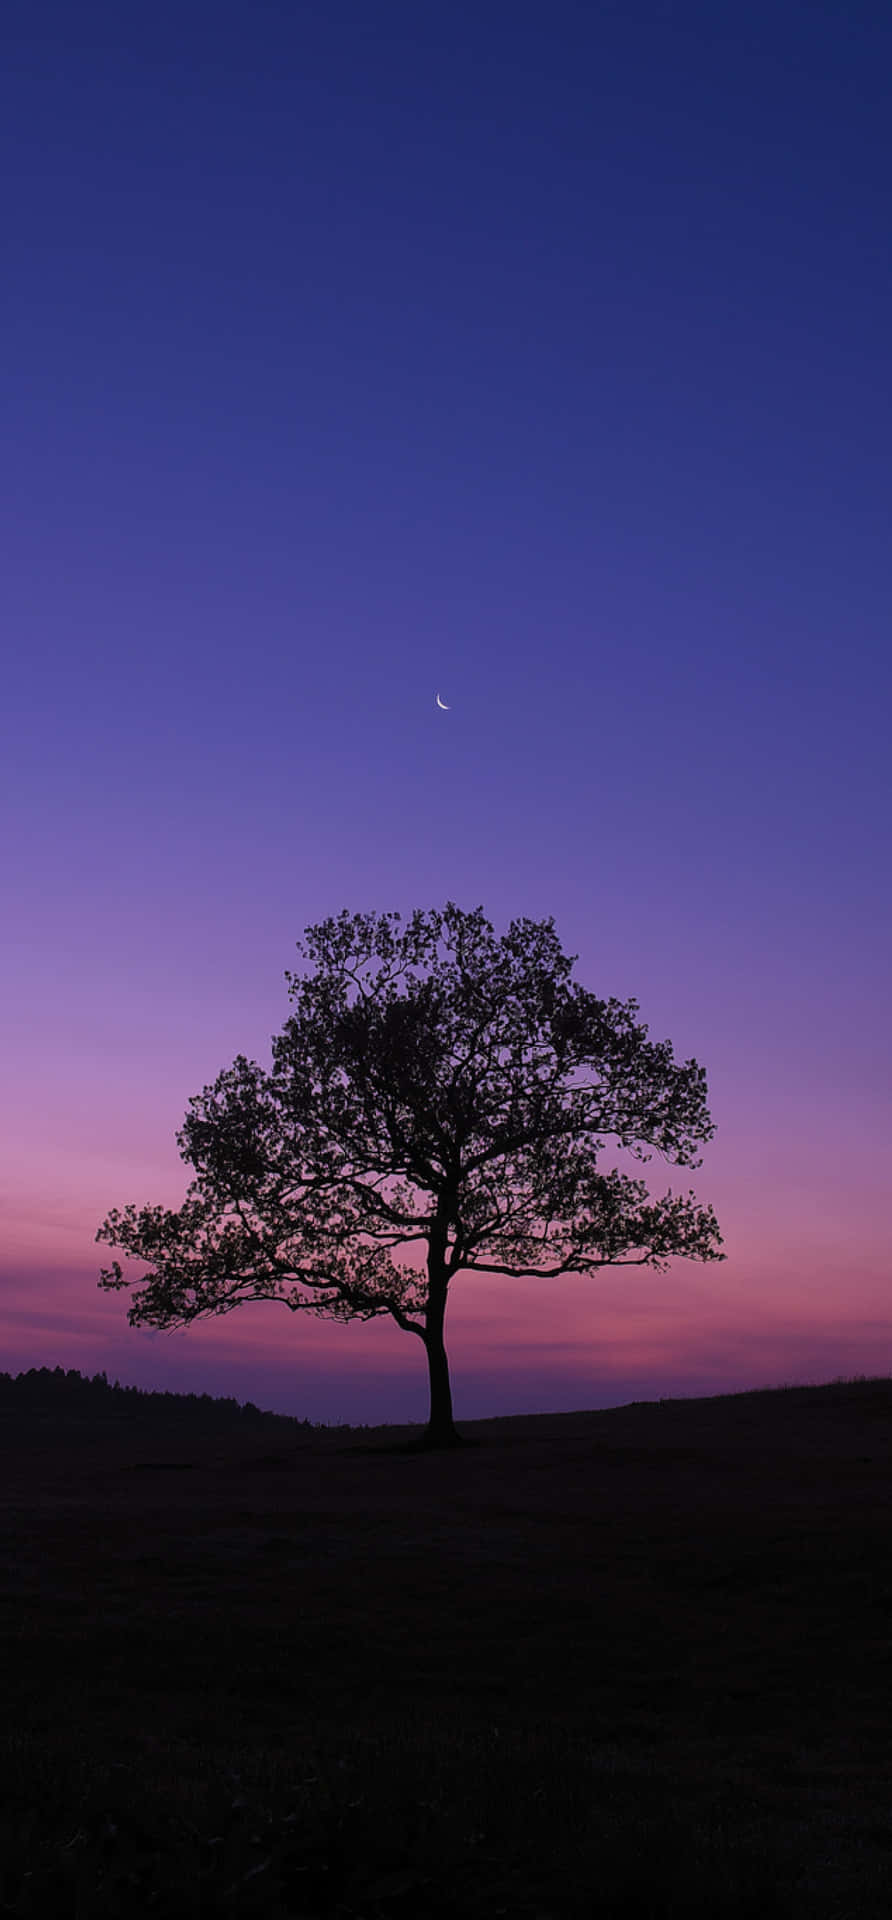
pixel 52 1390
pixel 632 1662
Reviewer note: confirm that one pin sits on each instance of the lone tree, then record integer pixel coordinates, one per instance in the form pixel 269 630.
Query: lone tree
pixel 435 1085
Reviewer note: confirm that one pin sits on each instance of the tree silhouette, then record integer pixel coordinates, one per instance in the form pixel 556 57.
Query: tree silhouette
pixel 436 1085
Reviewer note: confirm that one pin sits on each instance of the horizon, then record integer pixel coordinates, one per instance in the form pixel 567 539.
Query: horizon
pixel 734 1393
pixel 448 459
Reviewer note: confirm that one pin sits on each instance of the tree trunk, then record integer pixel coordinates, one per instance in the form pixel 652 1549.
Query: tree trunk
pixel 440 1430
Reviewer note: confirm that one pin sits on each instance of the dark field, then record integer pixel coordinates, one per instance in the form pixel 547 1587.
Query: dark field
pixel 626 1663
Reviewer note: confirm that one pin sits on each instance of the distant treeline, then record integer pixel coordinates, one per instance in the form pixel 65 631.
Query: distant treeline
pixel 56 1391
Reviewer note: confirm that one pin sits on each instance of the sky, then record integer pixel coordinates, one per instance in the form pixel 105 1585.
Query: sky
pixel 535 357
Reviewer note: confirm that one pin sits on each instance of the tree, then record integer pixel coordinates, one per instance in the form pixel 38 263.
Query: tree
pixel 439 1086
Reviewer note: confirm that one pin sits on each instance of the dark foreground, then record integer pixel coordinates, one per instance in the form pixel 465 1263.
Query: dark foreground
pixel 633 1663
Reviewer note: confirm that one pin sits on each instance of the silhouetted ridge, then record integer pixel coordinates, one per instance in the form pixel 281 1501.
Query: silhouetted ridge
pixel 53 1390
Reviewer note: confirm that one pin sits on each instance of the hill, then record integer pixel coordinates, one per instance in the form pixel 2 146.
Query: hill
pixel 632 1662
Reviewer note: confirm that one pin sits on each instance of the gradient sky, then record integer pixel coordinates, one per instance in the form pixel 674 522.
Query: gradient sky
pixel 538 356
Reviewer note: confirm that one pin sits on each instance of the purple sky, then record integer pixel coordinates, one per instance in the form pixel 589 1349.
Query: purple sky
pixel 537 356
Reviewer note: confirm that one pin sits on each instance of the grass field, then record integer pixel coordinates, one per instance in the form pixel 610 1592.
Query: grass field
pixel 631 1663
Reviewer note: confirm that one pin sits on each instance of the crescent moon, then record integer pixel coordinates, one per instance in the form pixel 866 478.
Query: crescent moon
pixel 442 705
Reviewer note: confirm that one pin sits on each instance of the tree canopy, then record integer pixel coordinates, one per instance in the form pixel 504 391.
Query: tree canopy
pixel 436 1086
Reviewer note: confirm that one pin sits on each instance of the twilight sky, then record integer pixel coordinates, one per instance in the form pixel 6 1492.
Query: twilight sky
pixel 538 356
